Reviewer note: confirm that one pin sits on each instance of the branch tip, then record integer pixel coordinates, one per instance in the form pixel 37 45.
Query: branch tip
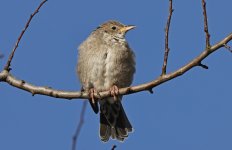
pixel 8 64
pixel 151 91
pixel 203 66
pixel 206 29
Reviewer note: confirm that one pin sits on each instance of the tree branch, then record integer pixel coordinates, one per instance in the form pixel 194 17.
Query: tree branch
pixel 167 49
pixel 7 66
pixel 5 76
pixel 80 124
pixel 207 35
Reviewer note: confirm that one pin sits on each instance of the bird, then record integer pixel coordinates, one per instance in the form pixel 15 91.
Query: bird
pixel 106 63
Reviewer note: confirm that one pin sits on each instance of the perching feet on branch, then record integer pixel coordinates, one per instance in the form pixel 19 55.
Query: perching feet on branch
pixel 114 91
pixel 93 102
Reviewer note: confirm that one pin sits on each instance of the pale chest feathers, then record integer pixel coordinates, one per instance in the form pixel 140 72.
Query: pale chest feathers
pixel 119 64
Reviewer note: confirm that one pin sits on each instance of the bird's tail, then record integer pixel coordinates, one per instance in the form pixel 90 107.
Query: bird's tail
pixel 113 120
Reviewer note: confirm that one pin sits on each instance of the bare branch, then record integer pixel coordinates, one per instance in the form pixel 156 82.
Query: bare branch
pixel 5 76
pixel 207 35
pixel 80 124
pixel 7 66
pixel 167 49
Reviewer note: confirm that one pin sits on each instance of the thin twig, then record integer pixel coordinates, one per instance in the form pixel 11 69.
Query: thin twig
pixel 114 147
pixel 7 66
pixel 167 49
pixel 228 48
pixel 203 66
pixel 79 126
pixel 206 29
pixel 151 90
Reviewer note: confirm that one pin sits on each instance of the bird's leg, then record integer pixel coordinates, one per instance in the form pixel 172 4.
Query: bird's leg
pixel 114 91
pixel 92 91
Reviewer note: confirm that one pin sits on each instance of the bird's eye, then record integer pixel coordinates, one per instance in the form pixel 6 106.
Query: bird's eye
pixel 113 28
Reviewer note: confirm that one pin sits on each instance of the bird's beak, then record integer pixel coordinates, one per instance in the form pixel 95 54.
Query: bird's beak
pixel 127 28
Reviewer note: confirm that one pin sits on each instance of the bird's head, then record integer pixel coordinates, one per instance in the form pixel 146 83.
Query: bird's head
pixel 116 29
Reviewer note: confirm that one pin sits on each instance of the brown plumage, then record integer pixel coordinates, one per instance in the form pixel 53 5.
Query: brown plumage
pixel 106 61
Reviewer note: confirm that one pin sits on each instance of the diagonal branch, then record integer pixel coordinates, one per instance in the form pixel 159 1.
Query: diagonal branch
pixel 80 124
pixel 7 66
pixel 5 76
pixel 167 49
pixel 207 35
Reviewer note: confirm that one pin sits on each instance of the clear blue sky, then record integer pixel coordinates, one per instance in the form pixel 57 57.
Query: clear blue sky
pixel 190 112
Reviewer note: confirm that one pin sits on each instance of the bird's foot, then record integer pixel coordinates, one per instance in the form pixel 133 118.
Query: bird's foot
pixel 92 91
pixel 114 91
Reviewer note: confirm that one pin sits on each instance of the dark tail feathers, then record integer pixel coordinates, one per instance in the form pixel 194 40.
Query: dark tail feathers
pixel 113 121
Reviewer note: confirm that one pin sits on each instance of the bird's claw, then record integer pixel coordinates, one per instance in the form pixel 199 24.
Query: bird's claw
pixel 92 91
pixel 114 91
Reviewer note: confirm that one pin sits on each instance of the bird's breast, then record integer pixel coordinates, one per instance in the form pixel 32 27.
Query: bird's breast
pixel 119 66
